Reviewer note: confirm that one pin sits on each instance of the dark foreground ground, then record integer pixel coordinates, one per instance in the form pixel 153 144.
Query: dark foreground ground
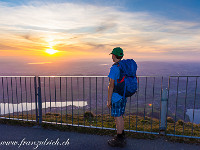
pixel 75 141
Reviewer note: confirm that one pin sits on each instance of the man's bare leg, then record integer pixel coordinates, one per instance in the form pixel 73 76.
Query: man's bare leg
pixel 119 124
pixel 119 140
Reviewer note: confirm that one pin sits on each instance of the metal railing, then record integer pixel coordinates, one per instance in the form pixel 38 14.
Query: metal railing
pixel 18 97
pixel 183 106
pixel 81 101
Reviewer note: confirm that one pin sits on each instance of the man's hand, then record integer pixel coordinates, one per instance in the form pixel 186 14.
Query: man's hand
pixel 109 104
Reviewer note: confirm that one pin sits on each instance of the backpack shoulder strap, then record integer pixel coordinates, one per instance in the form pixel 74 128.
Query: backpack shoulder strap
pixel 116 63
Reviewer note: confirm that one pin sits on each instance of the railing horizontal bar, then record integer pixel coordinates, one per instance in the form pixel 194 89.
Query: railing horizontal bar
pixel 185 136
pixel 17 119
pixel 93 76
pixel 16 76
pixel 184 76
pixel 103 128
pixel 148 76
pixel 100 127
pixel 75 76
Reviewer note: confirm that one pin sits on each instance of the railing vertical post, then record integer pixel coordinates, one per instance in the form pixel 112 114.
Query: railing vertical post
pixel 163 111
pixel 35 86
pixel 39 101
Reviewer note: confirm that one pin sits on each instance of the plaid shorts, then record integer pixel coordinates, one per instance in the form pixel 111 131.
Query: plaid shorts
pixel 118 108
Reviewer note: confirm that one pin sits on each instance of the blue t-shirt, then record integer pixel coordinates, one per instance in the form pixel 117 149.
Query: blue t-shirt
pixel 115 74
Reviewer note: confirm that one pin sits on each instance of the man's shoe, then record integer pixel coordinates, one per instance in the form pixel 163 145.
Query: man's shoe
pixel 117 142
pixel 123 134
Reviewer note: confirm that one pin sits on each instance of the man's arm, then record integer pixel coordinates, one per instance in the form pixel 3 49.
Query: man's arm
pixel 110 91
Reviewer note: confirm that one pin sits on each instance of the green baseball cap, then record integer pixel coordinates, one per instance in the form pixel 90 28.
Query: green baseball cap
pixel 117 51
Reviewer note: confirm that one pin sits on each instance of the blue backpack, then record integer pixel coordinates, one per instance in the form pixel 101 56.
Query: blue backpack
pixel 127 82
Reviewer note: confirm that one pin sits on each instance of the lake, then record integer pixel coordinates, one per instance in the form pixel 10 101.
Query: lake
pixel 196 113
pixel 10 108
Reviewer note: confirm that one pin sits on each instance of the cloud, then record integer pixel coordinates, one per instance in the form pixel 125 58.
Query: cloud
pixel 7 47
pixel 96 46
pixel 104 64
pixel 39 63
pixel 90 27
pixel 106 25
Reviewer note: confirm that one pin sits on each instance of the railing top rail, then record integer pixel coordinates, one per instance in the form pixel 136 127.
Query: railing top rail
pixel 17 76
pixel 93 76
pixel 73 76
pixel 148 76
pixel 184 76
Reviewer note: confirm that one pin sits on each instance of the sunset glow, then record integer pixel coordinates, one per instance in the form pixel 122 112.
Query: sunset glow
pixel 51 51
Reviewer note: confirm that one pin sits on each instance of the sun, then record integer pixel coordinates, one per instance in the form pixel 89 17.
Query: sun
pixel 51 51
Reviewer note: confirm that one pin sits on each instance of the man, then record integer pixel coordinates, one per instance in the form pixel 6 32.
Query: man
pixel 116 101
